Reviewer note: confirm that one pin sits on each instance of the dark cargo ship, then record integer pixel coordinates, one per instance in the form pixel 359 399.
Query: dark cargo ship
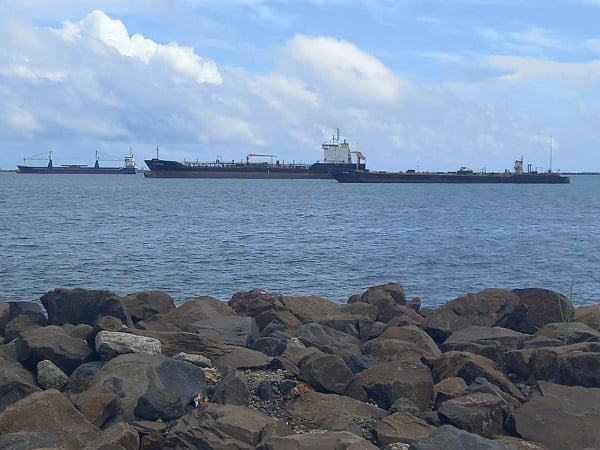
pixel 79 169
pixel 337 155
pixel 463 175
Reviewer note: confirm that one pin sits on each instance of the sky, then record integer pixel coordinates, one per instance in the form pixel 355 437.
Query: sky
pixel 412 84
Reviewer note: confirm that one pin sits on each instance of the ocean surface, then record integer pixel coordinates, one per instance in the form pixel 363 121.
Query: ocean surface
pixel 199 237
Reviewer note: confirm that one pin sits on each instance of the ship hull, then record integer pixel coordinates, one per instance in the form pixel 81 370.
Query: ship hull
pixel 173 169
pixel 77 170
pixel 365 176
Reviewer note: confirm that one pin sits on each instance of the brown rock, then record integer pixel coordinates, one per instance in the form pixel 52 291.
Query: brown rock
pixel 49 411
pixel 401 427
pixel 200 308
pixel 148 304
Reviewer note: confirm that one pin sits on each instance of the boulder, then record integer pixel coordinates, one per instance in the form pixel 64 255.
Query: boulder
pixel 589 314
pixel 561 417
pixel 401 427
pixel 32 310
pixel 271 321
pixel 110 344
pixel 479 413
pixel 315 409
pixel 148 304
pixel 326 373
pixel 570 332
pixel 200 308
pixel 388 382
pixel 448 437
pixel 4 315
pixel 81 378
pixel 310 308
pixel 99 405
pixel 491 342
pixel 232 389
pixel 243 358
pixel 174 342
pixel 487 308
pixel 386 350
pixel 120 435
pixel 255 302
pixel 318 441
pixel 389 299
pixel 15 382
pixel 222 427
pixel 469 366
pixel 161 405
pixel 448 388
pixel 50 412
pixel 411 333
pixel 538 307
pixel 52 343
pixel 26 440
pixel 51 377
pixel 233 330
pixel 78 305
pixel 129 376
pixel 329 340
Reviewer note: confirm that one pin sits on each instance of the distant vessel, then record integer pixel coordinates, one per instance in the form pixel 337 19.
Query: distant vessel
pixel 463 175
pixel 337 155
pixel 77 169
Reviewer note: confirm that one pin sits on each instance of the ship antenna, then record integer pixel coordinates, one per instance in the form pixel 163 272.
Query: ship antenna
pixel 338 134
pixel 157 152
pixel 550 154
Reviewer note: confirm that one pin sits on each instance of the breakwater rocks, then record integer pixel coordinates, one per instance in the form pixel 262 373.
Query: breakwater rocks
pixel 497 369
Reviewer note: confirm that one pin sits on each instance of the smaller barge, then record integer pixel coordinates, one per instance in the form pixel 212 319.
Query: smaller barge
pixel 463 175
pixel 78 169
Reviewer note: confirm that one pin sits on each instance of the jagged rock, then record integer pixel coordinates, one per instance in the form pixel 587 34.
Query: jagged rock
pixel 491 342
pixel 449 388
pixel 222 427
pixel 255 302
pixel 51 342
pixel 27 440
pixel 410 333
pixel 478 413
pixel 99 405
pixel 51 377
pixel 130 376
pixel 120 435
pixel 51 412
pixel 15 382
pixel 387 350
pixel 490 307
pixel 401 427
pixel 537 307
pixel 318 441
pixel 469 366
pixel 389 299
pixel 83 306
pixel 174 342
pixel 572 365
pixel 326 373
pixel 269 346
pixel 233 330
pixel 109 323
pixel 200 308
pixel 329 340
pixel 388 382
pixel 271 321
pixel 32 310
pixel 197 360
pixel 315 409
pixel 110 344
pixel 243 358
pixel 358 363
pixel 570 332
pixel 162 405
pixel 15 327
pixel 310 308
pixel 232 389
pixel 590 315
pixel 148 304
pixel 448 437
pixel 81 377
pixel 561 417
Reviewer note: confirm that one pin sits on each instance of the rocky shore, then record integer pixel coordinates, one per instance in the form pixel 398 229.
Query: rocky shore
pixel 497 369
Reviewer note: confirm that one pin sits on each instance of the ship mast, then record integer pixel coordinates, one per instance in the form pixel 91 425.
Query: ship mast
pixel 550 170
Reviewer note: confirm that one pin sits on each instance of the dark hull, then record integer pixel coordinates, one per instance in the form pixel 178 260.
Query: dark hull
pixel 77 170
pixel 173 169
pixel 365 176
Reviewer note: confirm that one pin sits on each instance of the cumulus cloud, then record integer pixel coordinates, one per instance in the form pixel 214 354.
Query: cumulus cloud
pixel 114 34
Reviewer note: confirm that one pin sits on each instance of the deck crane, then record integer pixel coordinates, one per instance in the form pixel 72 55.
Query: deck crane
pixel 251 155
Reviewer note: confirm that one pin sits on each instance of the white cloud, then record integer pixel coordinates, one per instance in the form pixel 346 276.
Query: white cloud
pixel 522 69
pixel 539 37
pixel 113 33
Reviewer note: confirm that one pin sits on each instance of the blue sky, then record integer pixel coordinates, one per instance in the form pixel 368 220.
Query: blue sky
pixel 426 85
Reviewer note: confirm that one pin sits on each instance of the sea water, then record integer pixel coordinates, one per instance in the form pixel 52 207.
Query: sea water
pixel 195 237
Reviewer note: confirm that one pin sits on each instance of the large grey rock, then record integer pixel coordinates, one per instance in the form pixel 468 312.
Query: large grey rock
pixel 222 427
pixel 255 302
pixel 327 373
pixel 50 412
pixel 386 383
pixel 52 343
pixel 479 413
pixel 233 330
pixel 339 440
pixel 112 343
pixel 448 437
pixel 329 340
pixel 148 304
pixel 23 440
pixel 538 307
pixel 310 308
pixel 132 375
pixel 78 305
pixel 401 427
pixel 200 308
